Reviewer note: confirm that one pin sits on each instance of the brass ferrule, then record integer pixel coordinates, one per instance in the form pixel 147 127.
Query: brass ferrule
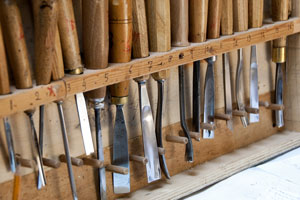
pixel 77 71
pixel 119 100
pixel 278 55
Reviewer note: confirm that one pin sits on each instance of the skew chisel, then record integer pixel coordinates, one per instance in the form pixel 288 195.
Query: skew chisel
pixel 120 28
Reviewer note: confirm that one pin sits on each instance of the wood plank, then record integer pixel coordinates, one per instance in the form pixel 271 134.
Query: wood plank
pixel 115 73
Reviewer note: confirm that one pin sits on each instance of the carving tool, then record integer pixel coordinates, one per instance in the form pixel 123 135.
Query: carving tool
pixel 240 23
pixel 279 13
pixel 73 65
pixel 120 28
pixel 95 49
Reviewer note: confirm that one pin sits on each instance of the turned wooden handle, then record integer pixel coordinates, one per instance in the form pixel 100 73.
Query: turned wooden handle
pixel 4 78
pixel 256 13
pixel 117 169
pixel 120 89
pixel 14 40
pixel 58 63
pixel 159 25
pixel 227 17
pixel 69 37
pixel 140 46
pixel 51 163
pixel 198 13
pixel 179 23
pixel 95 39
pixel 214 19
pixel 240 15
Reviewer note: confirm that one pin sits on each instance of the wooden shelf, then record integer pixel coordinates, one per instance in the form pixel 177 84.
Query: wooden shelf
pixel 21 100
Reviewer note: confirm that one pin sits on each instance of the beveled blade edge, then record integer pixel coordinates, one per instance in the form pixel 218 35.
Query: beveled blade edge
pixel 254 98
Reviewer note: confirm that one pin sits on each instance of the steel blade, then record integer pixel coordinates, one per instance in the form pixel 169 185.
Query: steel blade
pixel 84 124
pixel 239 87
pixel 254 98
pixel 196 95
pixel 278 95
pixel 41 140
pixel 10 145
pixel 149 138
pixel 209 97
pixel 227 90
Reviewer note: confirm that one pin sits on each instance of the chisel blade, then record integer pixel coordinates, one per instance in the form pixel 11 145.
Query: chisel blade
pixel 10 145
pixel 278 95
pixel 209 97
pixel 254 101
pixel 149 138
pixel 227 89
pixel 84 124
pixel 121 182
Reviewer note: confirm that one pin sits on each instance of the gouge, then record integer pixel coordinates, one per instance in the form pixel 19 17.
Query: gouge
pixel 240 23
pixel 95 49
pixel 120 29
pixel 279 13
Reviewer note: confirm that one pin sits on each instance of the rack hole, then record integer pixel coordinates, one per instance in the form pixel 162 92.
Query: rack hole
pixel 181 56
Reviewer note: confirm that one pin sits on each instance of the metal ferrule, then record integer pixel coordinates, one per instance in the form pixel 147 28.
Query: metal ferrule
pixel 77 71
pixel 119 100
pixel 97 103
pixel 278 54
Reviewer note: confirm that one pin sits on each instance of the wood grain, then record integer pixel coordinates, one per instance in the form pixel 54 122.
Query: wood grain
pixel 256 13
pixel 58 63
pixel 4 78
pixel 240 15
pixel 214 19
pixel 280 10
pixel 227 17
pixel 198 13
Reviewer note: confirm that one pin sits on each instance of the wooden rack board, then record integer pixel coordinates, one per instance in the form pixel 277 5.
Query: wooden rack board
pixel 21 100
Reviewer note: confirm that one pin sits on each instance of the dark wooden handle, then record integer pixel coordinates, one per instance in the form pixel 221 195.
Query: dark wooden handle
pixel 69 37
pixel 4 78
pixel 179 23
pixel 240 15
pixel 214 19
pixel 227 17
pixel 58 63
pixel 198 13
pixel 14 40
pixel 51 163
pixel 256 13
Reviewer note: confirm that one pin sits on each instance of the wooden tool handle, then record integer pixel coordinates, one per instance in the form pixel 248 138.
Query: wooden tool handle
pixel 198 12
pixel 161 75
pixel 227 17
pixel 51 163
pixel 4 78
pixel 58 64
pixel 140 47
pixel 75 161
pixel 214 19
pixel 179 23
pixel 280 10
pixel 15 43
pixel 256 13
pixel 69 37
pixel 117 169
pixel 119 89
pixel 139 159
pixel 159 25
pixel 93 162
pixel 240 15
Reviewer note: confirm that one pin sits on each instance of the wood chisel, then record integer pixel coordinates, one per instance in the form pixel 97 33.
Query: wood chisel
pixel 279 13
pixel 255 21
pixel 240 23
pixel 120 31
pixel 95 49
pixel 213 32
pixel 198 12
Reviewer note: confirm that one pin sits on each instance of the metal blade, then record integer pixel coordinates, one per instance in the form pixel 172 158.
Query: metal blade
pixel 158 126
pixel 254 101
pixel 10 145
pixel 209 97
pixel 41 140
pixel 84 124
pixel 149 138
pixel 239 87
pixel 227 90
pixel 196 95
pixel 120 153
pixel 278 95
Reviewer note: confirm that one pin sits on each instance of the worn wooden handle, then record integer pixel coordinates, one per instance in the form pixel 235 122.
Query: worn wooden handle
pixel 214 19
pixel 240 15
pixel 4 78
pixel 140 46
pixel 227 17
pixel 58 63
pixel 179 23
pixel 198 13
pixel 14 40
pixel 120 89
pixel 161 75
pixel 256 13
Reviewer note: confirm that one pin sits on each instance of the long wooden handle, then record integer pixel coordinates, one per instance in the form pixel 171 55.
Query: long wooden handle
pixel 69 37
pixel 4 78
pixel 227 17
pixel 214 19
pixel 58 63
pixel 256 13
pixel 180 23
pixel 240 15
pixel 95 39
pixel 15 43
pixel 198 13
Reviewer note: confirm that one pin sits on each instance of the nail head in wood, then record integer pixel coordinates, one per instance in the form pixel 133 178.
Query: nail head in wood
pixel 93 162
pixel 75 161
pixel 51 163
pixel 222 116
pixel 177 139
pixel 117 169
pixel 139 159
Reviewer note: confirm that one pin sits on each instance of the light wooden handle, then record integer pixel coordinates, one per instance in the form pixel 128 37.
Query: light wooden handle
pixel 227 17
pixel 179 23
pixel 139 159
pixel 15 43
pixel 159 25
pixel 17 187
pixel 176 139
pixel 117 169
pixel 51 163
pixel 198 13
pixel 140 46
pixel 119 90
pixel 240 15
pixel 58 64
pixel 4 78
pixel 69 37
pixel 256 13
pixel 280 10
pixel 214 19
pixel 93 162
pixel 75 161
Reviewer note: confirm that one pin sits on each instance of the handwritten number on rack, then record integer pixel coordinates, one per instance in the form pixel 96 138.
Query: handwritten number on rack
pixel 130 69
pixel 150 65
pixel 106 77
pixel 263 35
pixel 249 38
pixel 68 87
pixel 83 84
pixel 37 96
pixel 11 104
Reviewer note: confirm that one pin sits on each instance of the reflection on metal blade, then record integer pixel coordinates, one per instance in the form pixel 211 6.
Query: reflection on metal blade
pixel 84 124
pixel 254 101
pixel 10 145
pixel 227 89
pixel 278 95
